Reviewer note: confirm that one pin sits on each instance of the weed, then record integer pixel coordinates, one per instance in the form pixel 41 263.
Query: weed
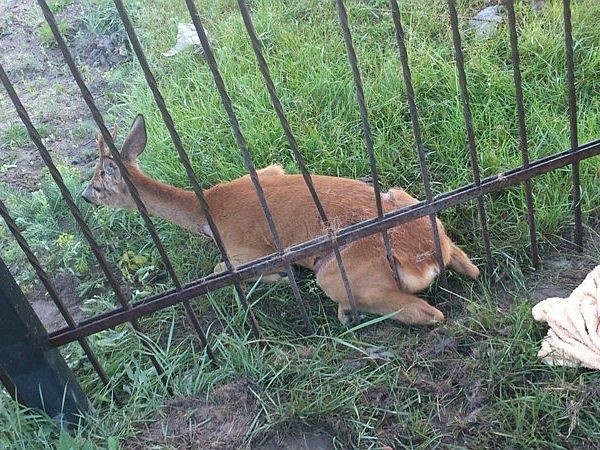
pixel 46 35
pixel 14 136
pixel 58 5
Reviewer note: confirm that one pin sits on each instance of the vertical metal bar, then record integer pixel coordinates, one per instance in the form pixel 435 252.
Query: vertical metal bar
pixel 183 158
pixel 464 95
pixel 369 148
pixel 242 145
pixel 45 279
pixel 35 137
pixel 117 158
pixel 151 81
pixel 264 68
pixel 576 193
pixel 35 373
pixel 509 4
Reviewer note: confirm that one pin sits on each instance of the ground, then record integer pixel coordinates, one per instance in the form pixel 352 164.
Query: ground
pixel 224 420
pixel 47 90
pixel 44 84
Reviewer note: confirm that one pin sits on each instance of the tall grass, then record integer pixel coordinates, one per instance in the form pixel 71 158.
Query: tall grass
pixel 307 58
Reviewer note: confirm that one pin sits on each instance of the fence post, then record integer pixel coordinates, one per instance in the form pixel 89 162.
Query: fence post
pixel 33 372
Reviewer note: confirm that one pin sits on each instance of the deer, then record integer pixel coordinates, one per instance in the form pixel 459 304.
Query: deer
pixel 240 220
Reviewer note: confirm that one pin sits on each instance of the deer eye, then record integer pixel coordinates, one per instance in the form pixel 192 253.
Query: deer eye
pixel 102 173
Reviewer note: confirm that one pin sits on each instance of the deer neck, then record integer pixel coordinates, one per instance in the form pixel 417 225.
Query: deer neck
pixel 174 204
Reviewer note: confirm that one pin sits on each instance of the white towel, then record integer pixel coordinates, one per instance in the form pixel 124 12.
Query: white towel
pixel 574 335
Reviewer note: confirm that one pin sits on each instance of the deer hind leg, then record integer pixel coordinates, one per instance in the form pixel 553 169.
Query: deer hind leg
pixel 375 291
pixel 460 262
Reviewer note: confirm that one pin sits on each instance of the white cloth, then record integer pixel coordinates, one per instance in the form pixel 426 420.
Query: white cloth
pixel 187 37
pixel 574 335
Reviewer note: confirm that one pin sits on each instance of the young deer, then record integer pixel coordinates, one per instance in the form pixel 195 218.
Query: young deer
pixel 241 222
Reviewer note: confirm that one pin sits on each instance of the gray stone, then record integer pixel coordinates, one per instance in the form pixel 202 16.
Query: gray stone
pixel 486 21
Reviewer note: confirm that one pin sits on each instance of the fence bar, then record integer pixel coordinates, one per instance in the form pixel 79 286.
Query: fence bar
pixel 512 27
pixel 464 96
pixel 117 159
pixel 160 102
pixel 56 176
pixel 242 145
pixel 45 279
pixel 360 98
pixel 264 68
pixel 36 374
pixel 344 236
pixel 167 119
pixel 578 232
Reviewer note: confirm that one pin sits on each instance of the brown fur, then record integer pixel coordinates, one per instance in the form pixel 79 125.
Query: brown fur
pixel 241 222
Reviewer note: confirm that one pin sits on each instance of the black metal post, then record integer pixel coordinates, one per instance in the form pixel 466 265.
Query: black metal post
pixel 34 373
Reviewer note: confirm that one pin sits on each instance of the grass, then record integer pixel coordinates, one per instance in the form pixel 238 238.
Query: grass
pixel 474 382
pixel 46 36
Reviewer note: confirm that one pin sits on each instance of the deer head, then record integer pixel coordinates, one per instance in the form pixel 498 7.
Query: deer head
pixel 107 186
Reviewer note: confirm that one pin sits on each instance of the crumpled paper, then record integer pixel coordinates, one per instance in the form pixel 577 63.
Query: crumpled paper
pixel 187 37
pixel 574 335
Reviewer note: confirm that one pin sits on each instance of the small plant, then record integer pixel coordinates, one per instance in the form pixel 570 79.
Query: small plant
pixel 15 136
pixel 72 254
pixel 58 5
pixel 142 268
pixel 47 37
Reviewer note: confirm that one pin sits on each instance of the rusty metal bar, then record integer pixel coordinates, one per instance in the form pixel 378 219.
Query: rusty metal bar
pixel 368 139
pixel 464 96
pixel 576 193
pixel 344 236
pixel 160 102
pixel 126 177
pixel 264 68
pixel 57 177
pixel 414 115
pixel 512 24
pixel 242 145
pixel 52 292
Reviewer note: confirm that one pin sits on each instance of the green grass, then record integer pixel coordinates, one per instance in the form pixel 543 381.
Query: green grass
pixel 14 136
pixel 46 36
pixel 474 382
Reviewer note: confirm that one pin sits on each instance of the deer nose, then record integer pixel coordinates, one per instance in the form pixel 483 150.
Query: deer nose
pixel 85 198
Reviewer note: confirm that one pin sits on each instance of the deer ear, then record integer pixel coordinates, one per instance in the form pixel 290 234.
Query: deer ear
pixel 136 140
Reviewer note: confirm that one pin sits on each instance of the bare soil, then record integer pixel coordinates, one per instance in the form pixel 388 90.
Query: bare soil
pixel 222 421
pixel 46 88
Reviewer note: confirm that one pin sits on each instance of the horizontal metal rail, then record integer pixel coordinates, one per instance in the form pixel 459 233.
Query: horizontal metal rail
pixel 343 236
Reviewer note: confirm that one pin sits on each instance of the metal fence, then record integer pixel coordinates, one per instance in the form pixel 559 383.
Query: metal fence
pixel 333 239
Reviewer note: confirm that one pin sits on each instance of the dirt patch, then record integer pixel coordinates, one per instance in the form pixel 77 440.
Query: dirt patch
pixel 297 436
pixel 44 84
pixel 224 420
pixel 221 422
pixel 561 274
pixel 47 311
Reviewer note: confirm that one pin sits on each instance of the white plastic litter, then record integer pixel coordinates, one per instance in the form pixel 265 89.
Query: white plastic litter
pixel 574 335
pixel 187 37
